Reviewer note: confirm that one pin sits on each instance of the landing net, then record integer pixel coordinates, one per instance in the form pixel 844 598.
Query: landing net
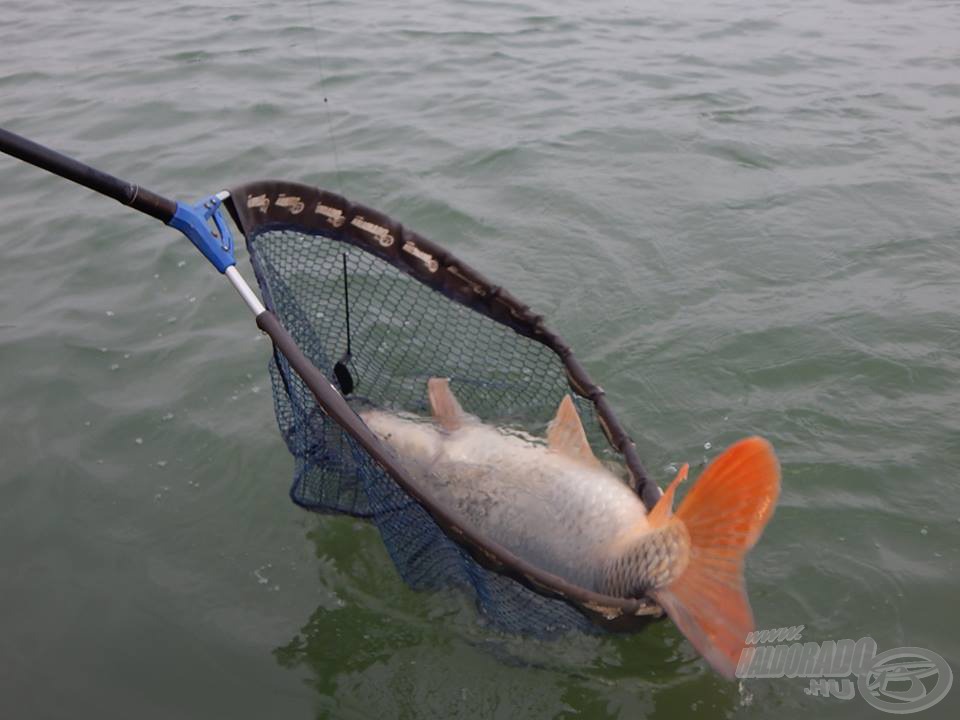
pixel 379 310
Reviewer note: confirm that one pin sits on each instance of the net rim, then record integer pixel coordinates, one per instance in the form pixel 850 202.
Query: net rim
pixel 274 206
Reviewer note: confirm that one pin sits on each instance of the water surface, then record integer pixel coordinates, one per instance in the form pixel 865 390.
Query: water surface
pixel 741 215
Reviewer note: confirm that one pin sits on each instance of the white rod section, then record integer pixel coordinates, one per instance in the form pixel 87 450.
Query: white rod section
pixel 248 295
pixel 236 279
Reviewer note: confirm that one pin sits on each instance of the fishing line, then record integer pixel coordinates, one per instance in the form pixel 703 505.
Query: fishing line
pixel 323 92
pixel 340 370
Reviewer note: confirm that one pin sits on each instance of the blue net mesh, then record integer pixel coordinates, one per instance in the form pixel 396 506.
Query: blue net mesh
pixel 402 333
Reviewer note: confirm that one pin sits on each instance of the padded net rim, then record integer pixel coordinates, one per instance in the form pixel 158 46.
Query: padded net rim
pixel 272 205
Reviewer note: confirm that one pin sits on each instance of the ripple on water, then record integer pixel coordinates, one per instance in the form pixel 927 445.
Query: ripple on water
pixel 743 217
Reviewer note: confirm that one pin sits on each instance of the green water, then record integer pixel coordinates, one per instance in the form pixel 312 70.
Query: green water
pixel 741 215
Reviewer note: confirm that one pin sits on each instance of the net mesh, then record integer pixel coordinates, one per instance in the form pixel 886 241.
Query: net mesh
pixel 402 332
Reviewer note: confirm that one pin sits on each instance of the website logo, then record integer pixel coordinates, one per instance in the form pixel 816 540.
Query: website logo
pixel 899 681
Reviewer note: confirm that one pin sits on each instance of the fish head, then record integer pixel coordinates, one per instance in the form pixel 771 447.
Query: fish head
pixel 411 438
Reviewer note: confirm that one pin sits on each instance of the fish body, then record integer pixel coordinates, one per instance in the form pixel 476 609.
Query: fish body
pixel 556 506
pixel 559 515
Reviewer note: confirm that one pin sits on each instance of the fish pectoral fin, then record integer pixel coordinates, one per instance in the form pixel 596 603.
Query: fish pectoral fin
pixel 567 437
pixel 446 410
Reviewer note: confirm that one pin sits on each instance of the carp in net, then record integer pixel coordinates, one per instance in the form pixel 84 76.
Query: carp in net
pixel 390 354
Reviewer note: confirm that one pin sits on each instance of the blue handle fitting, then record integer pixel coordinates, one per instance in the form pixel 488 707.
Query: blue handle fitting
pixel 194 222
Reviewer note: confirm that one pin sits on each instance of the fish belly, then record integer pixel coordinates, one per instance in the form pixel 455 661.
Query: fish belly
pixel 545 508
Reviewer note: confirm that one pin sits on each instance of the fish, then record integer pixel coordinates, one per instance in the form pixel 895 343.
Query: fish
pixel 557 506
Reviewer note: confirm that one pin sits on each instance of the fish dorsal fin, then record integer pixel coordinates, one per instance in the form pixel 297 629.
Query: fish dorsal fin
pixel 446 410
pixel 566 435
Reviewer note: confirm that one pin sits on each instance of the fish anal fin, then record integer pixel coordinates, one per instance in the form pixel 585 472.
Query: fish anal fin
pixel 444 405
pixel 567 437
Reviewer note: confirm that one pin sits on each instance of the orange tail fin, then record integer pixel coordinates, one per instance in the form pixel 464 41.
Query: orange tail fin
pixel 724 514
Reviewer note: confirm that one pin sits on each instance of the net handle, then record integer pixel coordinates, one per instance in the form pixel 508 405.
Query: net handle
pixel 215 242
pixel 128 193
pixel 203 224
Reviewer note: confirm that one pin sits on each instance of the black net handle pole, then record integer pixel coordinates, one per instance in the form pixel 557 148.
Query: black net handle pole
pixel 122 191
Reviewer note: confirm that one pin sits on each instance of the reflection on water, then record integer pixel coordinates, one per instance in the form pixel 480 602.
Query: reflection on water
pixel 363 649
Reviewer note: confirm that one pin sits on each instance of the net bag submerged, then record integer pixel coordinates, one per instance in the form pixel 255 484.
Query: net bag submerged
pixel 379 310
